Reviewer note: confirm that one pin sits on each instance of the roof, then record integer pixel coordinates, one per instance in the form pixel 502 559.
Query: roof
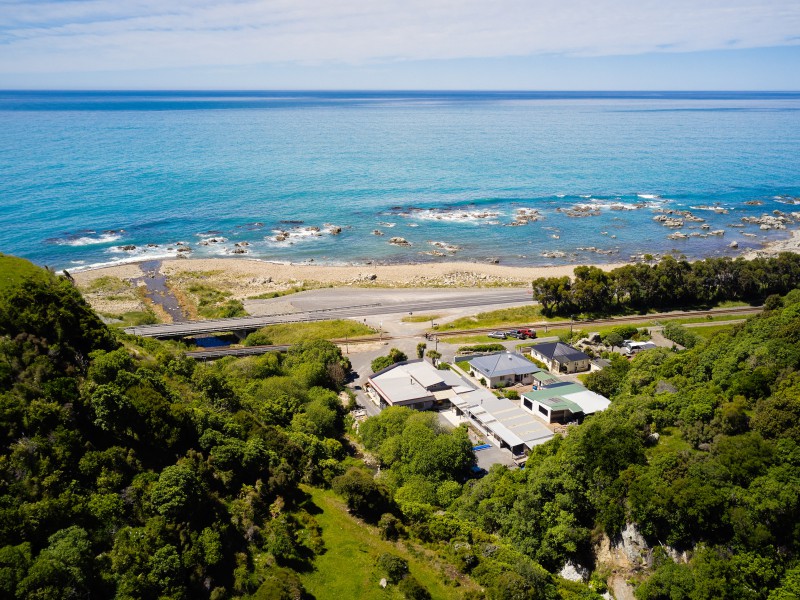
pixel 407 381
pixel 559 352
pixel 510 423
pixel 504 363
pixel 546 378
pixel 561 403
pixel 601 363
pixel 417 380
pixel 563 395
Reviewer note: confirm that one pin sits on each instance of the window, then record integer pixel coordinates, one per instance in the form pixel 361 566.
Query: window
pixel 528 404
pixel 543 410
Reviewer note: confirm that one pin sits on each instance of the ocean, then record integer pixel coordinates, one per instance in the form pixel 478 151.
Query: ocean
pixel 89 178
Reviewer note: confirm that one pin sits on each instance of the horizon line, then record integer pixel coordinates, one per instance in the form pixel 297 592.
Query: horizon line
pixel 414 90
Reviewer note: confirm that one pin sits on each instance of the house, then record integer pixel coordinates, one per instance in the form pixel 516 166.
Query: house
pixel 416 384
pixel 563 403
pixel 505 424
pixel 599 364
pixel 560 357
pixel 503 369
pixel 420 385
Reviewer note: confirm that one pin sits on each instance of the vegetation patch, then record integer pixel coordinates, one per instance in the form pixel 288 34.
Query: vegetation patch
pixel 211 303
pixel 132 318
pixel 292 333
pixel 349 568
pixel 420 318
pixel 14 271
pixel 504 317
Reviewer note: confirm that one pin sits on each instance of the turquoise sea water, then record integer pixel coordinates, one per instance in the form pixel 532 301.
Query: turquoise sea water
pixel 85 174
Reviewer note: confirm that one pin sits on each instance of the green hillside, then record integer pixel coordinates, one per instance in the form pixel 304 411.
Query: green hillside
pixel 14 271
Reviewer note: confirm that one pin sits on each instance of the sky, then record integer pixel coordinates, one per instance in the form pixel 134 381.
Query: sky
pixel 401 44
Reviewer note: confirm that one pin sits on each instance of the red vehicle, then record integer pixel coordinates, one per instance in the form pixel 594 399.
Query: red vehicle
pixel 526 333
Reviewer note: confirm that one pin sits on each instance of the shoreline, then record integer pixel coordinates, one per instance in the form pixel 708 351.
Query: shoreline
pixel 385 275
pixel 117 289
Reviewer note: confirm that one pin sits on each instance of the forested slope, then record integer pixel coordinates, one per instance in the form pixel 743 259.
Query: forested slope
pixel 127 471
pixel 720 481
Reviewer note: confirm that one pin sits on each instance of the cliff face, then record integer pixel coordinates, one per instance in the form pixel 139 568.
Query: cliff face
pixel 626 557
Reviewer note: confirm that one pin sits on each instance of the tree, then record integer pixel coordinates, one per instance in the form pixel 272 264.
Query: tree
pixel 362 494
pixel 394 356
pixel 63 569
pixel 394 567
pixel 177 492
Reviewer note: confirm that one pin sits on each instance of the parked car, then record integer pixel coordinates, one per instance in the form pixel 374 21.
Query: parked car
pixel 515 334
pixel 498 335
pixel 527 333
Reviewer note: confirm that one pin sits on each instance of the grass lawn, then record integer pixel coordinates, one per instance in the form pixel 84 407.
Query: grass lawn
pixel 347 568
pixel 463 365
pixel 708 332
pixel 505 317
pixel 420 318
pixel 670 442
pixel 291 333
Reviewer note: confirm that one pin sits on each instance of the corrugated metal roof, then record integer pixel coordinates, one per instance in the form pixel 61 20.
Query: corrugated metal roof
pixel 559 351
pixel 506 363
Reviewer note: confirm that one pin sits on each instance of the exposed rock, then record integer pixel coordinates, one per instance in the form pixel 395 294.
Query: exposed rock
pixel 754 203
pixel 733 244
pixel 677 236
pixel 242 244
pixel 377 232
pixel 574 572
pixel 398 241
pixel 239 251
pixel 128 248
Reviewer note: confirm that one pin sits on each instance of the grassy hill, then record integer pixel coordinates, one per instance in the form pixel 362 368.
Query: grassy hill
pixel 14 270
pixel 348 568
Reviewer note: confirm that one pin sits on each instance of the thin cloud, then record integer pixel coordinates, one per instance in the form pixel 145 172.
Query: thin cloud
pixel 103 35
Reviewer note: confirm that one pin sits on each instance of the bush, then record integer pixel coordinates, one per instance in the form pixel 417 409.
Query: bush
pixel 394 567
pixel 483 348
pixel 412 589
pixel 680 335
pixel 512 394
pixel 389 526
pixel 394 356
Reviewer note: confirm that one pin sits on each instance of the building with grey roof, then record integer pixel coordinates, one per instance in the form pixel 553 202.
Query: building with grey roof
pixel 560 357
pixel 416 384
pixel 420 385
pixel 503 369
pixel 507 425
pixel 563 403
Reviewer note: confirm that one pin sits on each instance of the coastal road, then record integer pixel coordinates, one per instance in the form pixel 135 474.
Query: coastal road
pixel 363 304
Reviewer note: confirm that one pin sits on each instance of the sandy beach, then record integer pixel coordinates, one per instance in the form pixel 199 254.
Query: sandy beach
pixel 243 278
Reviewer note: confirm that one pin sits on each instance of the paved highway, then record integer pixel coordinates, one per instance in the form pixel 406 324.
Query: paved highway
pixel 174 330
